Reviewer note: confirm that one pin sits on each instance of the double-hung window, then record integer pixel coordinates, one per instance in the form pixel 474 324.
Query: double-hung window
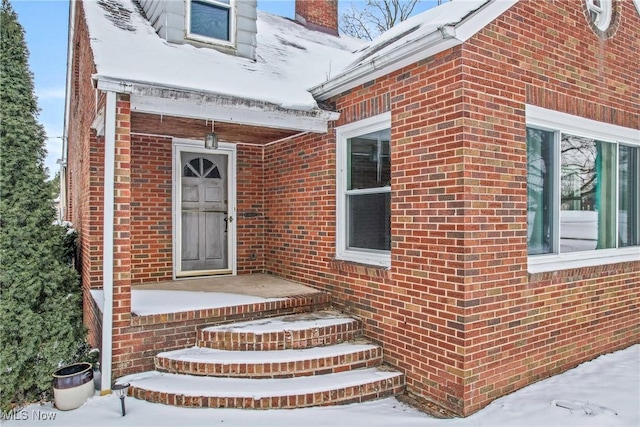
pixel 583 191
pixel 211 20
pixel 364 191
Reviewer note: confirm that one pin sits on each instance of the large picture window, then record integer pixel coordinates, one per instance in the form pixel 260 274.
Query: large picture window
pixel 364 191
pixel 583 182
pixel 211 19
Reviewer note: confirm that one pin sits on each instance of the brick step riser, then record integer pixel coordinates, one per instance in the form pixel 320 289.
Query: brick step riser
pixel 281 340
pixel 352 394
pixel 327 365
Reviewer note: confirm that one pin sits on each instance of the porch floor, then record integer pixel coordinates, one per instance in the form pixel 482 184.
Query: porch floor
pixel 257 285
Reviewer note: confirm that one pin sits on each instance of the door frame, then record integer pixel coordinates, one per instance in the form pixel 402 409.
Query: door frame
pixel 196 146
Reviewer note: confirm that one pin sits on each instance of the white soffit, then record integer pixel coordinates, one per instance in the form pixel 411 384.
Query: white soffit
pixel 182 103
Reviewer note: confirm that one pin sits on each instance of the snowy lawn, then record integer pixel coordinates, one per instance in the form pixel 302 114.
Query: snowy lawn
pixel 603 392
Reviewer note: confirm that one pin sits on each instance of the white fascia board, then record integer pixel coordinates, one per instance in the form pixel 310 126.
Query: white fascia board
pixel 440 40
pixel 481 18
pixel 184 103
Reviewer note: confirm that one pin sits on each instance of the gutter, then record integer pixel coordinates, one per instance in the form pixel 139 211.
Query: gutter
pixel 417 49
pixel 67 107
pixel 443 38
pixel 147 97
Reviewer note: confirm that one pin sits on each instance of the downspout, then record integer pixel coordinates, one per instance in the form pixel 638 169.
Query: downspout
pixel 67 107
pixel 107 251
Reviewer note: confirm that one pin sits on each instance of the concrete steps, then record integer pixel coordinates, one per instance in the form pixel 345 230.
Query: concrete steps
pixel 298 360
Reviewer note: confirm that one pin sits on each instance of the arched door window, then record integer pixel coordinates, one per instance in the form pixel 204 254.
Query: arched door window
pixel 201 168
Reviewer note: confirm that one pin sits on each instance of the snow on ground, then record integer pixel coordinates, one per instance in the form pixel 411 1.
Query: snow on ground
pixel 603 392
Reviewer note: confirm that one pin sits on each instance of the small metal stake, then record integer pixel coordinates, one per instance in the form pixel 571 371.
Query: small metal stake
pixel 121 391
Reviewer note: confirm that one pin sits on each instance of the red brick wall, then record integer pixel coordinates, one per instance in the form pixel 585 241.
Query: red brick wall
pixel 85 173
pixel 250 213
pixel 458 311
pixel 122 242
pixel 151 209
pixel 518 331
pixel 322 13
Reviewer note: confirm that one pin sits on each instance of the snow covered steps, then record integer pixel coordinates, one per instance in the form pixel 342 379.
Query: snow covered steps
pixel 301 330
pixel 299 360
pixel 270 364
pixel 288 393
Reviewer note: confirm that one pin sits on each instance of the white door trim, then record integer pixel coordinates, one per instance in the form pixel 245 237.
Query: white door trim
pixel 196 146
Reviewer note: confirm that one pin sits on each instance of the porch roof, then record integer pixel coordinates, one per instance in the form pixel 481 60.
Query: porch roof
pixel 289 59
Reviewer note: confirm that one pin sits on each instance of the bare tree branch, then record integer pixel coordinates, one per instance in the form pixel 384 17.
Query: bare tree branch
pixel 375 17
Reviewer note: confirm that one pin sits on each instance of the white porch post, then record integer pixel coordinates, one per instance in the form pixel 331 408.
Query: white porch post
pixel 107 255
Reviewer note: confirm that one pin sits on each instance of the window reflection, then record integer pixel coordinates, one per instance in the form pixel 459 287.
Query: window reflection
pixel 369 211
pixel 588 185
pixel 210 20
pixel 539 190
pixel 629 203
pixel 369 161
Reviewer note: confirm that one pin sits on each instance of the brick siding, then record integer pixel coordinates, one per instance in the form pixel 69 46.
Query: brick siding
pixel 85 174
pixel 457 311
pixel 319 13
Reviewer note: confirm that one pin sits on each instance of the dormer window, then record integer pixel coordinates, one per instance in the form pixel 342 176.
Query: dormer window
pixel 211 21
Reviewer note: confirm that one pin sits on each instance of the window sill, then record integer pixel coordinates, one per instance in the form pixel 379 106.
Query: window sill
pixel 209 42
pixel 555 262
pixel 350 267
pixel 374 259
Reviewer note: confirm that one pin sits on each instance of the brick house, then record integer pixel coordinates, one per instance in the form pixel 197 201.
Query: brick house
pixel 467 185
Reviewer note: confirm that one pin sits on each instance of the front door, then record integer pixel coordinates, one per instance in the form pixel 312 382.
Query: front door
pixel 204 214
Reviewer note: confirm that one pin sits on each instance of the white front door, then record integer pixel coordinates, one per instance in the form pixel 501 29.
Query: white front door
pixel 204 211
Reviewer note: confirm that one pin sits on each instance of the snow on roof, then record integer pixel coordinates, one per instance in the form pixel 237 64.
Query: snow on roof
pixel 417 38
pixel 289 57
pixel 417 27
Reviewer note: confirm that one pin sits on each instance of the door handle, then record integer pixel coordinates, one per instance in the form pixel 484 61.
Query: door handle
pixel 227 220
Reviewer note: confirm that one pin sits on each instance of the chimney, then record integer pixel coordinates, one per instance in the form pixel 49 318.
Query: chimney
pixel 319 15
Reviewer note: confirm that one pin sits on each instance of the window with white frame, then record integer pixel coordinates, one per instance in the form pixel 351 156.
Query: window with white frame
pixel 364 191
pixel 600 13
pixel 583 190
pixel 211 20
